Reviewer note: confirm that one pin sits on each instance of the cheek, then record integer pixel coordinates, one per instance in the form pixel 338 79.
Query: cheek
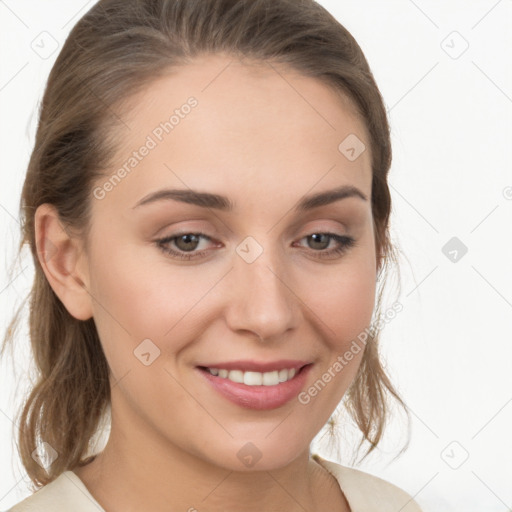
pixel 125 296
pixel 353 306
pixel 344 307
pixel 137 300
pixel 141 302
pixel 344 300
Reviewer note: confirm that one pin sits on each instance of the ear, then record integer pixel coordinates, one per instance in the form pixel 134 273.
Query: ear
pixel 62 260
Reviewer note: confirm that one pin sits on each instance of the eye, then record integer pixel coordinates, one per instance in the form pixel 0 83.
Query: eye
pixel 322 240
pixel 187 243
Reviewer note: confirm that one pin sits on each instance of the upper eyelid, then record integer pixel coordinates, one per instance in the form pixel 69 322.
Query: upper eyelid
pixel 345 223
pixel 215 233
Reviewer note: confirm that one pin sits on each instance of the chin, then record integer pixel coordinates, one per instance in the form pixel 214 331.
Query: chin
pixel 264 454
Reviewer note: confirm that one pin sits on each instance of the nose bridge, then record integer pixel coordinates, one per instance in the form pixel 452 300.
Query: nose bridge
pixel 262 300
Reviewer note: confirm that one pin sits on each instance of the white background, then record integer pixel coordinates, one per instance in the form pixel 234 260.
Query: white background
pixel 450 350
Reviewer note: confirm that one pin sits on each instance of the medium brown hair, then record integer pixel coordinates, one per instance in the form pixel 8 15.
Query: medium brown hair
pixel 115 50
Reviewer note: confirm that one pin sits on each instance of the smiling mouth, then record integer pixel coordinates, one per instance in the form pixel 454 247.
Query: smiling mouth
pixel 278 385
pixel 252 378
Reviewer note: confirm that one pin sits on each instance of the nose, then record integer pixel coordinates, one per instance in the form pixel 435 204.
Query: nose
pixel 262 299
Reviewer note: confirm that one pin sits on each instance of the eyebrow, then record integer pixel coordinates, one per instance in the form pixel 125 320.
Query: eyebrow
pixel 218 202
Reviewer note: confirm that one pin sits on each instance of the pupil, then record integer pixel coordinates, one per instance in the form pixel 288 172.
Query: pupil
pixel 317 240
pixel 187 239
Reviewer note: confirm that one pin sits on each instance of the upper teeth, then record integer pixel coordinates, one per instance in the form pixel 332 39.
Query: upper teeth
pixel 255 378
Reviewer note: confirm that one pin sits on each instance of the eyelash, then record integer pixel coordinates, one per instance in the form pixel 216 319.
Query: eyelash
pixel 345 243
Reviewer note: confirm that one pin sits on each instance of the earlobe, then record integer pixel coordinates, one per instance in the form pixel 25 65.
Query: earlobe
pixel 62 261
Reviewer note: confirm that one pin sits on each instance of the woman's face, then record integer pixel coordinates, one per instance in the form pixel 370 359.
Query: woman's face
pixel 274 281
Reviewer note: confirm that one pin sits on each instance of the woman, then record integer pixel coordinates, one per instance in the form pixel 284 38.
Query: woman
pixel 207 207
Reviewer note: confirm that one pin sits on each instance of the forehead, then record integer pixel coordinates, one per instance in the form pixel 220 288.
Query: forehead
pixel 258 126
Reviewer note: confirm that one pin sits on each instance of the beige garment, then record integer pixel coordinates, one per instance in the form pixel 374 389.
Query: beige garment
pixel 368 493
pixel 363 491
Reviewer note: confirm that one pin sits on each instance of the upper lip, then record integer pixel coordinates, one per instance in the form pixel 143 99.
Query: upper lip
pixel 256 366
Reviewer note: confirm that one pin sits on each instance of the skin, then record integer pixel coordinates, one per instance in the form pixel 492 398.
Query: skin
pixel 264 144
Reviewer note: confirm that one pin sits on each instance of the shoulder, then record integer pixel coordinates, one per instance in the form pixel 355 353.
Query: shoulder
pixel 368 493
pixel 66 492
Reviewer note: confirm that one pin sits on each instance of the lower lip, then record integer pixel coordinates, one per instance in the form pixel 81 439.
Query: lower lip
pixel 258 397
